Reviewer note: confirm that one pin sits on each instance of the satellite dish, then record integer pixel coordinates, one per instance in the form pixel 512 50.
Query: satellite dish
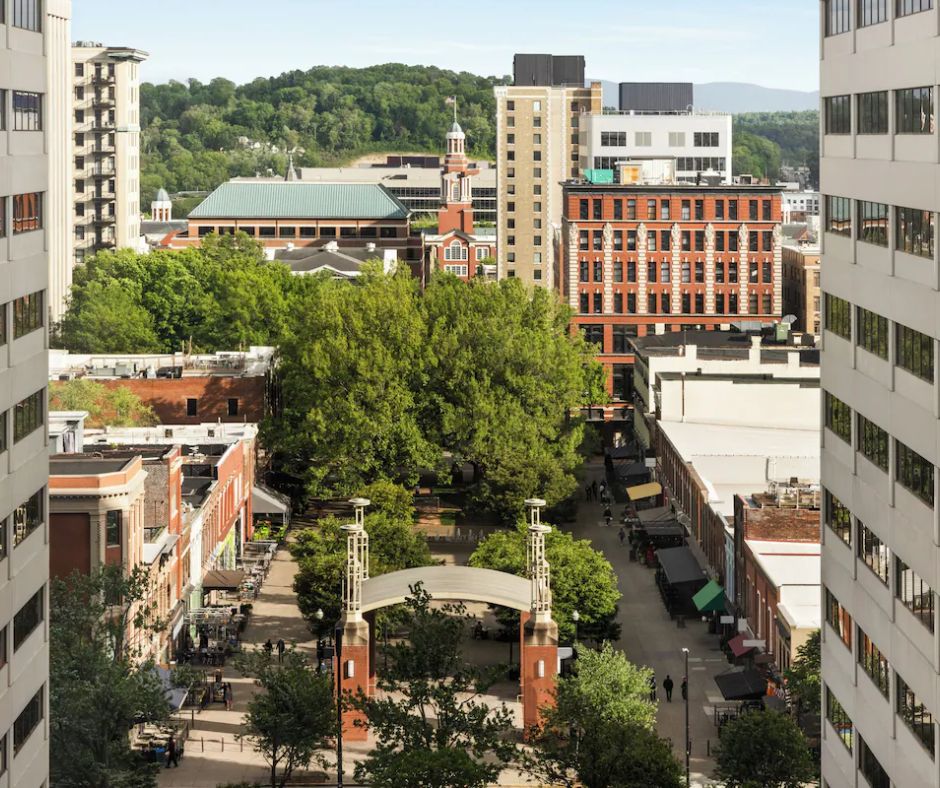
pixel 788 319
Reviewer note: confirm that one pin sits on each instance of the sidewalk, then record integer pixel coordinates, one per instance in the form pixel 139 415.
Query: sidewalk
pixel 213 756
pixel 650 638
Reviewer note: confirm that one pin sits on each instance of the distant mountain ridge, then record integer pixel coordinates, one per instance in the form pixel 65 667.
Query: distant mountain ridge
pixel 737 97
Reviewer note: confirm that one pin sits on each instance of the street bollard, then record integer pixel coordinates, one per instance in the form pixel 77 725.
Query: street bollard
pixel 203 742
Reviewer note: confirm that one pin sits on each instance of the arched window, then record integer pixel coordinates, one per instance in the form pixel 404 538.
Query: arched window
pixel 455 251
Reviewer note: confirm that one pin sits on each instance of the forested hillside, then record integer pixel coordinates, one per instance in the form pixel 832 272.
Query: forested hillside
pixel 195 135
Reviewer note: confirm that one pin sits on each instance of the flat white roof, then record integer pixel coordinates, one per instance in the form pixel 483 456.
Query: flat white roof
pixel 171 434
pixel 788 570
pixel 734 460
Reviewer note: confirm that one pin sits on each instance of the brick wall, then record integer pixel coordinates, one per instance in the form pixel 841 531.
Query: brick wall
pixel 168 397
pixel 780 525
pixel 69 544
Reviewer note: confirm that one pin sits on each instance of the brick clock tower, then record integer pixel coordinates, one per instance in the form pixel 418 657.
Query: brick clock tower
pixel 457 246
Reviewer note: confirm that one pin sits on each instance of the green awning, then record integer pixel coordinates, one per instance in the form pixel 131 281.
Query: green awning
pixel 710 598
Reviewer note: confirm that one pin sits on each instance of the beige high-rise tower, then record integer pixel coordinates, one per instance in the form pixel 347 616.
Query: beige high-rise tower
pixel 106 87
pixel 33 49
pixel 537 147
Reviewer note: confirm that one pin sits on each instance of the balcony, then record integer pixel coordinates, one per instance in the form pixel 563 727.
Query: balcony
pixel 102 147
pixel 101 171
pixel 102 98
pixel 104 218
pixel 83 220
pixel 103 195
pixel 102 77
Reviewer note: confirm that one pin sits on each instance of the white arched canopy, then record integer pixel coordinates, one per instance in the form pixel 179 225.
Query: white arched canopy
pixel 463 583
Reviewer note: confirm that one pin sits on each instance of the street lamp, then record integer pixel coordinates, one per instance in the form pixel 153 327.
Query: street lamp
pixel 319 617
pixel 576 617
pixel 688 740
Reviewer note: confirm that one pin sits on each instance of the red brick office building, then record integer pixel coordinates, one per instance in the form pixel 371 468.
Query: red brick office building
pixel 639 259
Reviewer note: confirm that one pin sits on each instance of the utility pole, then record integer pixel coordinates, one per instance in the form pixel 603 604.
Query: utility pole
pixel 688 740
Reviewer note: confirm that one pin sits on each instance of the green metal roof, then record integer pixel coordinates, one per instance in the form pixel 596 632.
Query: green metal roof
pixel 710 598
pixel 299 200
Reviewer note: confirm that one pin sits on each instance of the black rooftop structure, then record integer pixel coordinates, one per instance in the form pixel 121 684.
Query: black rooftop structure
pixel 656 96
pixel 548 70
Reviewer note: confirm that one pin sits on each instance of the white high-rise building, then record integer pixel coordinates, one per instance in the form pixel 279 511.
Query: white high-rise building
pixel 33 34
pixel 880 169
pixel 106 149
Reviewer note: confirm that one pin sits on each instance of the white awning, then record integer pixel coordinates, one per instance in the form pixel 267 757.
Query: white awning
pixel 264 500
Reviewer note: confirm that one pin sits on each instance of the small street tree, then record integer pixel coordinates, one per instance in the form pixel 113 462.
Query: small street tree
pixel 98 688
pixel 763 749
pixel 582 578
pixel 803 677
pixel 292 716
pixel 600 732
pixel 430 727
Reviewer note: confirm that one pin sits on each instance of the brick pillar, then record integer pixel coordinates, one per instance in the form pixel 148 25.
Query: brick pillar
pixel 710 269
pixel 538 666
pixel 353 674
pixel 608 269
pixel 373 631
pixel 744 270
pixel 641 305
pixel 573 262
pixel 675 279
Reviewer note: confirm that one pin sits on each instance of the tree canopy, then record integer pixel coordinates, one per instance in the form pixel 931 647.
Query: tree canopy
pixel 118 406
pixel 98 685
pixel 803 676
pixel 763 749
pixel 765 140
pixel 582 578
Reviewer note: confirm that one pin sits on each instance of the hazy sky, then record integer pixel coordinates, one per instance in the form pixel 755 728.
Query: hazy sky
pixel 771 43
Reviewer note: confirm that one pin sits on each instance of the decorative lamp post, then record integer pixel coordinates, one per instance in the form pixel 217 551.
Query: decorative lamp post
pixel 576 617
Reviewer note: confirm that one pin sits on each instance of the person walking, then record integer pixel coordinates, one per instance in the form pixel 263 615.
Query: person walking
pixel 668 685
pixel 228 695
pixel 280 650
pixel 172 756
pixel 594 489
pixel 653 688
pixel 623 535
pixel 587 492
pixel 684 687
pixel 268 647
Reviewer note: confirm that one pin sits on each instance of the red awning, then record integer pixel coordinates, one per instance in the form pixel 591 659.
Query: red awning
pixel 736 644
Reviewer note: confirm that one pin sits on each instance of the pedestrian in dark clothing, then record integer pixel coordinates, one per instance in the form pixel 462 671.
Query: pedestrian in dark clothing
pixel 280 650
pixel 653 687
pixel 228 696
pixel 622 535
pixel 587 492
pixel 685 687
pixel 668 685
pixel 268 647
pixel 172 756
pixel 594 489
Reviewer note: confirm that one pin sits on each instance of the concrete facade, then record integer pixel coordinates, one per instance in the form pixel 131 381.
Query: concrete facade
pixel 106 94
pixel 537 148
pixel 28 42
pixel 881 293
pixel 801 295
pixel 611 137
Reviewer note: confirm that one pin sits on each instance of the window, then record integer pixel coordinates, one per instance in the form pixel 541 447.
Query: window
pixel 871 768
pixel 839 216
pixel 113 520
pixel 908 7
pixel 838 17
pixel 583 209
pixel 598 209
pixel 27 517
pixel 583 305
pixel 914 231
pixel 839 719
pixel 914 111
pixel 631 303
pixel 233 403
pixel 27 619
pixel 873 442
pixel 914 714
pixel 618 270
pixel 871 12
pixel 838 116
pixel 651 209
pixel 28 415
pixel 613 139
pixel 30 717
pixel 914 472
pixel 914 593
pixel 686 272
pixel 27 212
pixel 643 139
pixel 618 209
pixel 598 303
pixel 914 352
pixel 838 417
pixel 753 208
pixel 872 332
pixel 665 240
pixel 192 406
pixel 26 14
pixel 27 111
pixel 27 314
pixel 664 210
pixel 838 316
pixel 583 239
pixel 699 240
pixel 733 209
pixel 676 139
pixel 622 380
pixel 705 139
pixel 873 223
pixel 594 334
pixel 873 662
pixel 839 619
pixel 873 112
pixel 622 334
pixel 732 272
pixel 873 552
pixel 665 272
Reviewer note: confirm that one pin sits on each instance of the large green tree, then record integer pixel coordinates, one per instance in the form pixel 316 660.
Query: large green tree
pixel 600 731
pixel 321 552
pixel 98 686
pixel 803 676
pixel 763 749
pixel 582 578
pixel 430 727
pixel 292 714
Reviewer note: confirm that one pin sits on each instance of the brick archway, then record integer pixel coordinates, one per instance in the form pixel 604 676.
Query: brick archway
pixel 531 596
